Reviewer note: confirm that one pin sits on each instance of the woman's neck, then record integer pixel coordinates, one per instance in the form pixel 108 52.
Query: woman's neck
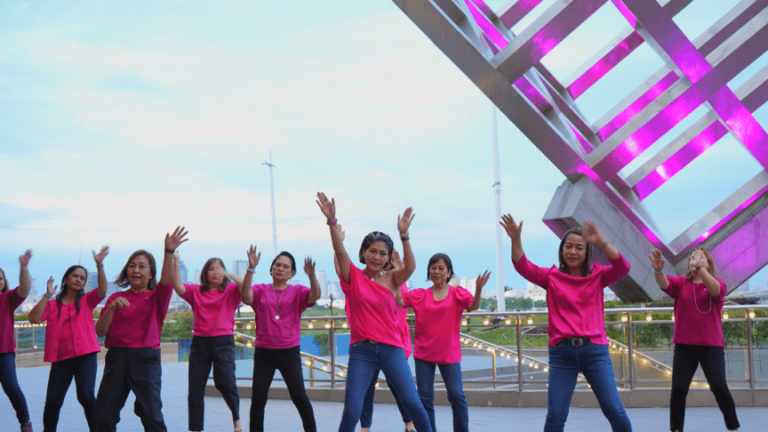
pixel 139 288
pixel 279 285
pixel 372 274
pixel 440 286
pixel 574 271
pixel 69 297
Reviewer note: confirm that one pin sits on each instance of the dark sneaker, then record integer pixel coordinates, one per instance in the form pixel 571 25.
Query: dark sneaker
pixel 26 427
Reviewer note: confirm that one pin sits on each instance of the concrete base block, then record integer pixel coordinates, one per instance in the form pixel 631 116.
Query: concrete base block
pixel 169 353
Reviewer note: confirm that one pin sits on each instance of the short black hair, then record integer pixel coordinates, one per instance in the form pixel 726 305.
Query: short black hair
pixel 285 254
pixel 447 260
pixel 585 268
pixel 372 238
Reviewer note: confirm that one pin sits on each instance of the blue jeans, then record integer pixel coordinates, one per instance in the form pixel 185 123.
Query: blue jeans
pixel 83 370
pixel 565 363
pixel 364 359
pixel 366 419
pixel 219 352
pixel 425 379
pixel 11 386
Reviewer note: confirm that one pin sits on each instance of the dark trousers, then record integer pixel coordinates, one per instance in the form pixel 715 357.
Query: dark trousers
pixel 686 361
pixel 83 370
pixel 366 418
pixel 11 386
pixel 288 362
pixel 136 370
pixel 219 352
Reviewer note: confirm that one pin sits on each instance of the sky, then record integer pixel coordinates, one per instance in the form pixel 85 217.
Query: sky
pixel 120 120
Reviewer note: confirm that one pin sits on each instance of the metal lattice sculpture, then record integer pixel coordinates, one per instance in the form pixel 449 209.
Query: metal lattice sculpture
pixel 508 69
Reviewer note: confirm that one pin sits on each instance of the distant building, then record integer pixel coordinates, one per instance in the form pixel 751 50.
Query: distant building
pixel 183 271
pixel 197 277
pixel 323 280
pixel 608 295
pixel 239 267
pixel 335 289
pixel 92 282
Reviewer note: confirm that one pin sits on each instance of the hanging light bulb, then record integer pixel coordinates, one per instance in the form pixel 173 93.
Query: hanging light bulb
pixel 530 320
pixel 725 315
pixel 648 317
pixel 624 318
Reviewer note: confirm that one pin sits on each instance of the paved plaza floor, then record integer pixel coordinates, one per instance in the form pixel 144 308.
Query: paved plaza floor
pixel 282 416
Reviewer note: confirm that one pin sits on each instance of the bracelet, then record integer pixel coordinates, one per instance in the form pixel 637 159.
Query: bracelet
pixel 46 295
pixel 698 267
pixel 98 266
pixel 333 222
pixel 170 250
pixel 405 237
pixel 658 271
pixel 250 269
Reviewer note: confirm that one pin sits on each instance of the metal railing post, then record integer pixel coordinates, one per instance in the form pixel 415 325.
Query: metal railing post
pixel 630 351
pixel 332 350
pixel 518 329
pixel 750 353
pixel 493 358
pixel 311 373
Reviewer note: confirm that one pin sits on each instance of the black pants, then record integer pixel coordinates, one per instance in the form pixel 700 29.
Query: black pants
pixel 288 362
pixel 219 352
pixel 136 370
pixel 686 361
pixel 83 370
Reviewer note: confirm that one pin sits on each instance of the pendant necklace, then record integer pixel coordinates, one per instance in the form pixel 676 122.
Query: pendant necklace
pixel 277 301
pixel 696 304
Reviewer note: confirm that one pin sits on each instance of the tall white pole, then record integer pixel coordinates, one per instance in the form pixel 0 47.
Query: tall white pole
pixel 272 193
pixel 500 299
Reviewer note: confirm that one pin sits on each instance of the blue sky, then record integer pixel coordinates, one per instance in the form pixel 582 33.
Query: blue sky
pixel 121 119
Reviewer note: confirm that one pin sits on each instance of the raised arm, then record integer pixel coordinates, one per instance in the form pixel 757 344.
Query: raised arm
pixel 400 275
pixel 25 280
pixel 36 314
pixel 657 262
pixel 594 236
pixel 712 284
pixel 479 284
pixel 178 284
pixel 172 241
pixel 99 258
pixel 246 293
pixel 314 284
pixel 105 319
pixel 328 207
pixel 513 231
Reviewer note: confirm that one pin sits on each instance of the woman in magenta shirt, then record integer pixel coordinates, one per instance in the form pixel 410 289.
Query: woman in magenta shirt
pixel 10 299
pixel 698 337
pixel 71 344
pixel 577 339
pixel 438 322
pixel 132 321
pixel 372 295
pixel 278 307
pixel 213 303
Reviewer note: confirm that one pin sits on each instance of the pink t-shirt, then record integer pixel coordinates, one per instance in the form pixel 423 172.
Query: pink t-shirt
pixel 9 301
pixel 699 322
pixel 140 324
pixel 372 310
pixel 214 310
pixel 575 303
pixel 401 315
pixel 71 333
pixel 438 323
pixel 280 333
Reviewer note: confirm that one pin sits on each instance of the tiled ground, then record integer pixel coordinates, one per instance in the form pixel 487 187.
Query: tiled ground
pixel 282 416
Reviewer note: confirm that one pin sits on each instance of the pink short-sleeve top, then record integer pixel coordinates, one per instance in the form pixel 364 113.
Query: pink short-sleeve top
pixel 372 310
pixel 9 301
pixel 278 315
pixel 70 332
pixel 213 309
pixel 140 324
pixel 698 315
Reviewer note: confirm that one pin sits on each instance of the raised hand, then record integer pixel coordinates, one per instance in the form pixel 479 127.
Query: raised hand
pixel 120 302
pixel 511 227
pixel 657 260
pixel 50 289
pixel 309 266
pixel 99 257
pixel 404 221
pixel 253 257
pixel 592 234
pixel 172 241
pixel 328 207
pixel 482 280
pixel 24 259
pixel 396 263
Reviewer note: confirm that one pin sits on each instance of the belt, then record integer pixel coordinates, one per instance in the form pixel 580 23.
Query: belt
pixel 579 341
pixel 370 341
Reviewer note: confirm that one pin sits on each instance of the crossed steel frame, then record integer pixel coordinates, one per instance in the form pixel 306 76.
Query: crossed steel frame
pixel 507 67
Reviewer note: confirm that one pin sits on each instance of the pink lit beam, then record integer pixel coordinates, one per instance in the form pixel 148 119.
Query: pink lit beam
pixel 485 25
pixel 517 11
pixel 708 85
pixel 567 109
pixel 542 36
pixel 745 250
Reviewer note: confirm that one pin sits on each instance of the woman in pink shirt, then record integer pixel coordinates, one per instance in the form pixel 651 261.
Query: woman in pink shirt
pixel 577 339
pixel 213 303
pixel 132 321
pixel 698 337
pixel 71 344
pixel 10 299
pixel 278 307
pixel 372 295
pixel 438 322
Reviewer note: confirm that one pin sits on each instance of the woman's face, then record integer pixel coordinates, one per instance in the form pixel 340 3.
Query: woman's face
pixel 215 275
pixel 139 272
pixel 76 280
pixel 698 258
pixel 376 256
pixel 574 251
pixel 282 270
pixel 438 272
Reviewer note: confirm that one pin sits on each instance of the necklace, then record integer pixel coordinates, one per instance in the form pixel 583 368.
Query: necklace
pixel 277 301
pixel 696 304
